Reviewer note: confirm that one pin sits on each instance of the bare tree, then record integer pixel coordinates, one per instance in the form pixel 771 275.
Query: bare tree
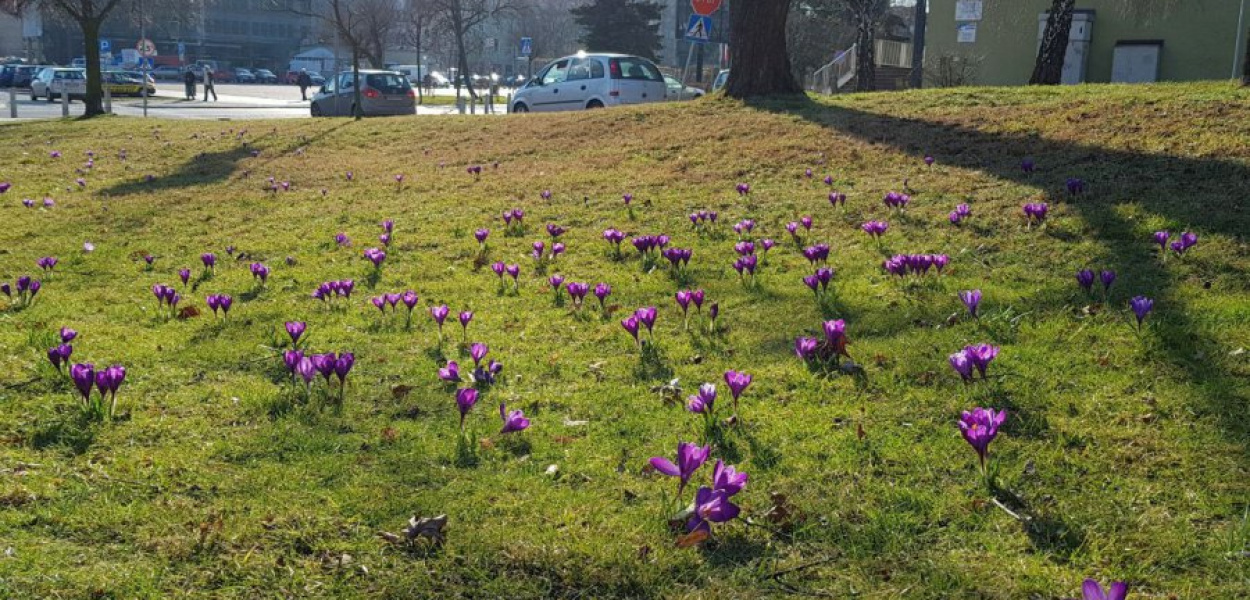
pixel 462 17
pixel 364 24
pixel 89 15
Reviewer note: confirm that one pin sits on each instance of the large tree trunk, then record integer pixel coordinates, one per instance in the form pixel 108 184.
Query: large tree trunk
pixel 91 43
pixel 1048 70
pixel 757 45
pixel 462 57
pixel 866 51
pixel 920 18
pixel 358 111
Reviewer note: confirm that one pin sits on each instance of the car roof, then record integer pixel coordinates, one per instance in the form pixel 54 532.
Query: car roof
pixel 363 71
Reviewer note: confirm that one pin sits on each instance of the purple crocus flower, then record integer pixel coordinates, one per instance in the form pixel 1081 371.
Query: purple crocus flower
pixel 291 359
pixel 972 299
pixel 466 317
pixel 627 198
pixel 981 356
pixel 690 457
pixel 727 479
pixel 1091 590
pixel 711 506
pixel 67 335
pixel 1085 278
pixel 979 427
pixel 631 324
pixel 498 268
pixel 555 231
pixel 375 256
pixel 1189 239
pixel 743 189
pixel 465 399
pixel 929 160
pixel 450 373
pixel 341 239
pixel 295 329
pixel 59 355
pixel 805 347
pixel 385 239
pixel 481 234
pixel 828 179
pixel 478 351
pixel 324 363
pixel 962 364
pixel 556 281
pixel 343 365
pixel 306 370
pixel 1141 306
pixel 1108 278
pixel 737 383
pixel 602 291
pixel 1161 238
pixel 545 194
pixel 875 229
pixel 83 375
pixel 513 421
pixel 807 173
pixel 646 316
pixel 1027 165
pixel 703 402
pixel 837 198
pixel 209 259
pixel 1076 186
pixel 439 313
pixel 409 299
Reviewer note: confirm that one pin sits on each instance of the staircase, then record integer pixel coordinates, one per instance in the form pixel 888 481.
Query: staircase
pixel 893 61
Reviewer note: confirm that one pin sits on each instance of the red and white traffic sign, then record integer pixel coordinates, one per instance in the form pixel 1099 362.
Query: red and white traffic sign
pixel 705 7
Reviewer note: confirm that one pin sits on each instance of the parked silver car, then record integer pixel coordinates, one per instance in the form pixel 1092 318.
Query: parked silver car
pixel 586 81
pixel 381 93
pixel 51 81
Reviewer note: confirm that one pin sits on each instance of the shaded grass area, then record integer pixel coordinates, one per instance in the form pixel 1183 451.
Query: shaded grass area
pixel 1126 451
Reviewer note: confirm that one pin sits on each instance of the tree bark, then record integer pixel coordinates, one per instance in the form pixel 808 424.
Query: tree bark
pixel 358 111
pixel 462 57
pixel 866 50
pixel 920 18
pixel 94 100
pixel 757 45
pixel 1048 69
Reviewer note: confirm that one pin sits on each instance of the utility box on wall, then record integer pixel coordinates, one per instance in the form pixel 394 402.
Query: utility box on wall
pixel 1136 61
pixel 1079 37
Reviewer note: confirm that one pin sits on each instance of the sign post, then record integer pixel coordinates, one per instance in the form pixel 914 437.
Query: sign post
pixel 146 51
pixel 698 32
pixel 527 52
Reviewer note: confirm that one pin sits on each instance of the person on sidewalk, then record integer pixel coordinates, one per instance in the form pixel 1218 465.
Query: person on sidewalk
pixel 189 79
pixel 492 90
pixel 305 81
pixel 208 84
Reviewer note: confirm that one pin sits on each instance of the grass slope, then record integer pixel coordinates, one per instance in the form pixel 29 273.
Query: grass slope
pixel 1127 452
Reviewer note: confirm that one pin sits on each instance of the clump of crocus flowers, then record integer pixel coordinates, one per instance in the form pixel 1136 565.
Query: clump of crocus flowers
pixel 330 290
pixel 375 256
pixel 1179 247
pixel 711 504
pixel 977 356
pixel 875 229
pixel 819 281
pixel 633 324
pixel 823 353
pixel 960 213
pixel 166 296
pixel 47 263
pixel 219 301
pixel 24 287
pixel 678 258
pixel 514 221
pixel 105 381
pixel 915 264
pixel 896 200
pixel 979 427
pixel 260 272
pixel 210 261
pixel 1076 186
pixel 836 198
pixel 1092 590
pixel 614 237
pixel 328 365
pixel 1035 212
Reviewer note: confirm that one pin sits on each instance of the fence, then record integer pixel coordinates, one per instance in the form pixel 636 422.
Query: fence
pixel 831 77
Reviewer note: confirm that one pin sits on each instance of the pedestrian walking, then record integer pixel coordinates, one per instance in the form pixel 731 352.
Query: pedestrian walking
pixel 189 79
pixel 208 84
pixel 305 81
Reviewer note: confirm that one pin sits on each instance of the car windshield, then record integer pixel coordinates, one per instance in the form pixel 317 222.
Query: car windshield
pixel 632 67
pixel 387 83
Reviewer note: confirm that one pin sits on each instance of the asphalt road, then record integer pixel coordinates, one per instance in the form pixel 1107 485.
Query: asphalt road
pixel 235 102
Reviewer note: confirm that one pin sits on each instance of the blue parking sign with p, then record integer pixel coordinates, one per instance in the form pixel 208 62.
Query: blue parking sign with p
pixel 105 46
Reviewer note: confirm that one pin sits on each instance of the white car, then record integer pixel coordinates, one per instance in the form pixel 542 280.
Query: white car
pixel 677 91
pixel 586 81
pixel 51 81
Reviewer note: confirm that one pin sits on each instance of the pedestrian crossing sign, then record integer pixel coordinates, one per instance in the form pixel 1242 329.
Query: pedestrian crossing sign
pixel 699 30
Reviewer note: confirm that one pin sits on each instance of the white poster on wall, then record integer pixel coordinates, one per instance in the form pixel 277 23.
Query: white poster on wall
pixel 968 10
pixel 967 33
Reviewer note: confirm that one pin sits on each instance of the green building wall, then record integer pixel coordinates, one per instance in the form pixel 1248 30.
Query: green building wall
pixel 1198 38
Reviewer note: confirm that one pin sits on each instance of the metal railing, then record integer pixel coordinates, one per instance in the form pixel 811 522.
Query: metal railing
pixel 893 54
pixel 831 77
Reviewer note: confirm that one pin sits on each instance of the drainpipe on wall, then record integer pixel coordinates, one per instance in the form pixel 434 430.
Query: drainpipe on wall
pixel 1241 32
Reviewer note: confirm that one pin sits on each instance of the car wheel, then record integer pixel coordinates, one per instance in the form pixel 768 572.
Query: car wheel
pixel 316 109
pixel 520 108
pixel 593 104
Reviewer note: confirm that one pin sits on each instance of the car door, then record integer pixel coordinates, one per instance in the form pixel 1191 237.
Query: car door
pixel 579 83
pixel 637 80
pixel 547 95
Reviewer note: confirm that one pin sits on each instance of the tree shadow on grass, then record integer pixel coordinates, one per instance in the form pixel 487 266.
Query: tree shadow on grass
pixel 74 432
pixel 1212 190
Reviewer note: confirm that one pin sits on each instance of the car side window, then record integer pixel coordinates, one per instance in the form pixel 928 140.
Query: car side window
pixel 585 68
pixel 556 73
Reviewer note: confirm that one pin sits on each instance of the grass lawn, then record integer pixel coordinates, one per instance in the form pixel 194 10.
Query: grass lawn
pixel 1124 455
